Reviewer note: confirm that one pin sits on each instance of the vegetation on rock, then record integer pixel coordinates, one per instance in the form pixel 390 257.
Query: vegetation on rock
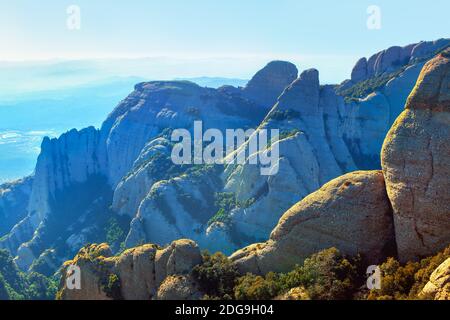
pixel 16 285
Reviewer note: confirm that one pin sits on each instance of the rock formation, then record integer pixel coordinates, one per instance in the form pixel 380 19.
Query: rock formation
pixel 416 164
pixel 402 210
pixel 14 199
pixel 124 169
pixel 138 272
pixel 351 213
pixel 268 83
pixel 394 57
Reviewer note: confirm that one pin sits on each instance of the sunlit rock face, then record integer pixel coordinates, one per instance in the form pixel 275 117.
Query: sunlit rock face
pixel 438 288
pixel 416 167
pixel 351 213
pixel 142 273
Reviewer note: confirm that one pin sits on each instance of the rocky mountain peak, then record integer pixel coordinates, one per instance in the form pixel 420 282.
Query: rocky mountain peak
pixel 268 83
pixel 395 57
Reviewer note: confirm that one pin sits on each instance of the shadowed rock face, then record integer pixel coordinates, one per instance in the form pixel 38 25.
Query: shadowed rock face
pixel 394 57
pixel 351 213
pixel 14 199
pixel 267 84
pixel 416 165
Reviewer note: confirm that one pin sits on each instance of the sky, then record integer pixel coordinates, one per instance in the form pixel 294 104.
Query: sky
pixel 231 38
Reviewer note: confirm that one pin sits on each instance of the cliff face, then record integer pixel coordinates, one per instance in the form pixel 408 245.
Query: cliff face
pixel 416 167
pixel 124 169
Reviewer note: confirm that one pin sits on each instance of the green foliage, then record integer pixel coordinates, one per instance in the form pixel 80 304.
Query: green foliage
pixel 364 88
pixel 327 275
pixel 216 276
pixel 282 115
pixel 16 285
pixel 251 287
pixel 225 202
pixel 44 263
pixel 221 216
pixel 111 286
pixel 401 282
pixel 114 231
pixel 41 287
pixel 285 134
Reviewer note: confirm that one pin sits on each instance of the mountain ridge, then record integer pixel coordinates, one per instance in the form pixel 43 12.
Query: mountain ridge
pixel 125 152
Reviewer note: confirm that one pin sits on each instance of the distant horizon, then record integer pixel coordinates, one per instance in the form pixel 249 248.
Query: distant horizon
pixel 208 64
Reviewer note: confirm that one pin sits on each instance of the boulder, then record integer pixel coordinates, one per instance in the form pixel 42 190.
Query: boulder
pixel 179 288
pixel 438 288
pixel 351 213
pixel 415 164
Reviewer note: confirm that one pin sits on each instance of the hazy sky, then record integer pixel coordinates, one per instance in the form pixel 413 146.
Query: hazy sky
pixel 227 38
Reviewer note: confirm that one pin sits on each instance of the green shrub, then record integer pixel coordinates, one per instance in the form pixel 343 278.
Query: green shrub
pixel 217 276
pixel 282 115
pixel 327 275
pixel 16 285
pixel 251 287
pixel 401 282
pixel 111 286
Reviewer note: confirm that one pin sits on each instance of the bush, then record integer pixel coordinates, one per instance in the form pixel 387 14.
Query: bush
pixel 251 287
pixel 327 275
pixel 217 276
pixel 111 286
pixel 402 282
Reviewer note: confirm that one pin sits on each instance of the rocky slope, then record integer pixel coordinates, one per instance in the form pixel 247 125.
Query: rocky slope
pixel 124 171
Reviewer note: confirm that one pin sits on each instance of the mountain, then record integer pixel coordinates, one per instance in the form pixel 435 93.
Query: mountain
pixel 364 214
pixel 119 182
pixel 403 210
